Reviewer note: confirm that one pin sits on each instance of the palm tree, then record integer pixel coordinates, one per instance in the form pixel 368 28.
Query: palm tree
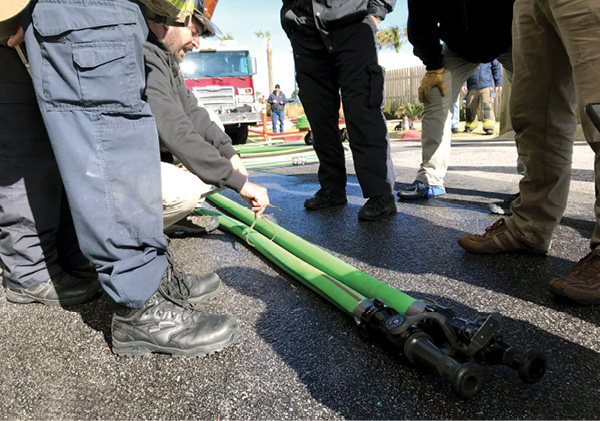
pixel 267 36
pixel 392 37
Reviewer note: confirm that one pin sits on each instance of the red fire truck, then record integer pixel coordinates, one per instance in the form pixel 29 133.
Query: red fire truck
pixel 220 76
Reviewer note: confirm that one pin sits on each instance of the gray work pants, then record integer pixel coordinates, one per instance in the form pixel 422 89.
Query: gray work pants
pixel 88 73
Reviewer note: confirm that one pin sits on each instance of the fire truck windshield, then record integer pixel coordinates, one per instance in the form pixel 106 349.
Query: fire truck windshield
pixel 203 64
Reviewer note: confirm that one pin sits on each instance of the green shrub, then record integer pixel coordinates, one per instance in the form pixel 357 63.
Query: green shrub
pixel 390 111
pixel 413 111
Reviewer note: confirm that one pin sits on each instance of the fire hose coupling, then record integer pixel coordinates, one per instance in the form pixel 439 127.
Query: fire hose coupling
pixel 373 314
pixel 417 346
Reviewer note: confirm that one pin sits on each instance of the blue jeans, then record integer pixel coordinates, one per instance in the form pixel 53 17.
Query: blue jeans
pixel 456 113
pixel 277 115
pixel 88 73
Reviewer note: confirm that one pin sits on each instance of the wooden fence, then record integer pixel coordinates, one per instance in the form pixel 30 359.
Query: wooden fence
pixel 402 87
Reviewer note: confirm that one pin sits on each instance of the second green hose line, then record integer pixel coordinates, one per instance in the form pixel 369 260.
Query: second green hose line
pixel 358 284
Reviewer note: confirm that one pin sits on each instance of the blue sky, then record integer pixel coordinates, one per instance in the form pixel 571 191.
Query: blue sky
pixel 243 18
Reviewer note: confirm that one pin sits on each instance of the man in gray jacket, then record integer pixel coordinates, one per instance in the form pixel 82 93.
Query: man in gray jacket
pixel 185 130
pixel 334 45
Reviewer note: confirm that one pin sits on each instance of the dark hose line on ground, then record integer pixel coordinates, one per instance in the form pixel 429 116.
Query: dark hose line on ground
pixel 342 296
pixel 325 262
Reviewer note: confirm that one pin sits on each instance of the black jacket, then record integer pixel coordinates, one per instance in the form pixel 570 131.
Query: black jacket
pixel 313 22
pixel 477 30
pixel 184 128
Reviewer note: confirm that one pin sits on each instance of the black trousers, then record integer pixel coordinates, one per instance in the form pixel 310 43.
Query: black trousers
pixel 351 69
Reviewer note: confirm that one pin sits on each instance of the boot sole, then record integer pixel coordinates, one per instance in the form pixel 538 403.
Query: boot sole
pixel 186 232
pixel 19 298
pixel 145 349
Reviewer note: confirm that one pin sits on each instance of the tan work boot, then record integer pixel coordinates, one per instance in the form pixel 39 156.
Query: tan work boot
pixel 582 285
pixel 496 239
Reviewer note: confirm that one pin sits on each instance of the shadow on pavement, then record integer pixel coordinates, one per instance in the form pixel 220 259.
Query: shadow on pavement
pixel 361 379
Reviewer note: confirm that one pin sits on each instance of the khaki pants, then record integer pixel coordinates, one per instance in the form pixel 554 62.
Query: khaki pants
pixel 436 136
pixel 556 45
pixel 181 191
pixel 480 99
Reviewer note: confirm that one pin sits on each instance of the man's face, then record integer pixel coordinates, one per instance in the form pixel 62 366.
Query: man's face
pixel 181 40
pixel 277 91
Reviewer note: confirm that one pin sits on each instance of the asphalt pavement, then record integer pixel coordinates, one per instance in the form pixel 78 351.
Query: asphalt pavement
pixel 301 358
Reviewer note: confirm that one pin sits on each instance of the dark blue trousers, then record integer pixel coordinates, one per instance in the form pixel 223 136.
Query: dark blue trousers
pixel 351 69
pixel 88 74
pixel 37 236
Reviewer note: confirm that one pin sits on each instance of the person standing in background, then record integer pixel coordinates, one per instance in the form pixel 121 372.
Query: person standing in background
pixel 335 51
pixel 482 87
pixel 277 101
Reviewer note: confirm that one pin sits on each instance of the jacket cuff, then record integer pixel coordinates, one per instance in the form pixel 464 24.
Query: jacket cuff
pixel 236 181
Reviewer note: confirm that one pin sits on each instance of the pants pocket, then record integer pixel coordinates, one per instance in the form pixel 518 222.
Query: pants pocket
pixel 106 75
pixel 132 183
pixel 89 57
pixel 376 82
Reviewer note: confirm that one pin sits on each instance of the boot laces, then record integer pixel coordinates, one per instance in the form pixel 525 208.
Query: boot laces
pixel 169 310
pixel 490 231
pixel 173 286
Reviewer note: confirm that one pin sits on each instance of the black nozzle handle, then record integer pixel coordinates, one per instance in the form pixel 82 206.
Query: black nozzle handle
pixel 466 379
pixel 530 365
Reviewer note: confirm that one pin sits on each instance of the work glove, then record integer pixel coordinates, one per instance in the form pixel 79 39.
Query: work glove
pixel 431 79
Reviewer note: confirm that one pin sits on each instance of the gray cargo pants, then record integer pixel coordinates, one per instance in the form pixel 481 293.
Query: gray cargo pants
pixel 88 73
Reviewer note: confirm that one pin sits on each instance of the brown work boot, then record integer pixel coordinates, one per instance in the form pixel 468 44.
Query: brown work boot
pixel 582 285
pixel 496 239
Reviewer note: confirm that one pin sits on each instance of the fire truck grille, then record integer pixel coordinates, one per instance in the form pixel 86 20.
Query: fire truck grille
pixel 215 98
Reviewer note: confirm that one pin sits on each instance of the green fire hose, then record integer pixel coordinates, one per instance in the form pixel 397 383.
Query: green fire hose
pixel 344 297
pixel 284 155
pixel 325 262
pixel 421 331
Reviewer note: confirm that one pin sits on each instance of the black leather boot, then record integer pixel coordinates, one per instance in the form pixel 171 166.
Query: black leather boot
pixel 326 199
